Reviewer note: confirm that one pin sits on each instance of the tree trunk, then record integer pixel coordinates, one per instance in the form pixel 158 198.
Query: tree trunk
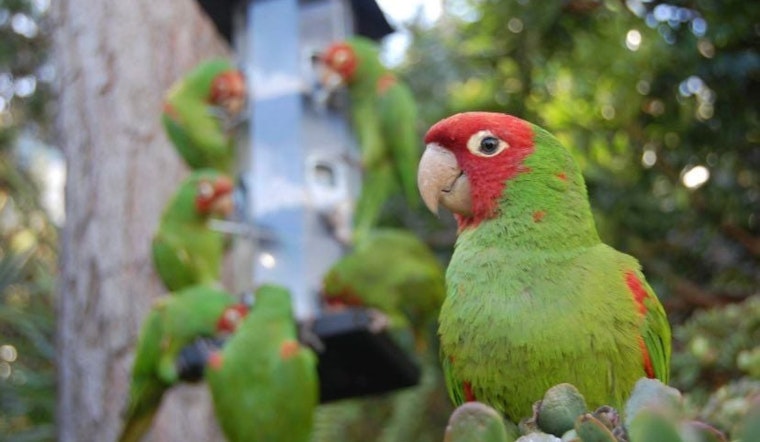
pixel 115 60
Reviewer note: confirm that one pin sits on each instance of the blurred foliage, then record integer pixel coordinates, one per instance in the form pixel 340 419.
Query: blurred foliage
pixel 715 346
pixel 28 239
pixel 641 92
pixel 716 362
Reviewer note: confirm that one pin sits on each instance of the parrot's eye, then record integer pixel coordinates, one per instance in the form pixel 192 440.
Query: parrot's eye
pixel 489 145
pixel 486 144
pixel 205 189
pixel 340 57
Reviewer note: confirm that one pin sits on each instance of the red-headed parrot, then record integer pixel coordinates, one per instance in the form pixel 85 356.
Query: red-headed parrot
pixel 185 250
pixel 173 322
pixel 384 118
pixel 263 381
pixel 534 298
pixel 199 112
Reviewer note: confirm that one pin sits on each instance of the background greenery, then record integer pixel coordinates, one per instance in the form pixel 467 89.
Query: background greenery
pixel 28 240
pixel 649 95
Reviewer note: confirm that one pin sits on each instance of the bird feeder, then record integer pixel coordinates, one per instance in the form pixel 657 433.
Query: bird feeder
pixel 298 178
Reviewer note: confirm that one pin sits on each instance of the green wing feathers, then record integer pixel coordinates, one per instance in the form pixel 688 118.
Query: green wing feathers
pixel 263 381
pixel 199 132
pixel 398 112
pixel 173 322
pixel 655 329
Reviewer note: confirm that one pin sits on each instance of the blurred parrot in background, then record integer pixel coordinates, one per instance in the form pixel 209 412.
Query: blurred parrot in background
pixel 200 111
pixel 173 322
pixel 534 298
pixel 384 118
pixel 185 250
pixel 263 382
pixel 393 271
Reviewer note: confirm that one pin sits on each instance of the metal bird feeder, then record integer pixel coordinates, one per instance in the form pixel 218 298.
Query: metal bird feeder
pixel 297 178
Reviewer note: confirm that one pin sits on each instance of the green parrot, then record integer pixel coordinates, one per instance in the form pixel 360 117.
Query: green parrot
pixel 393 271
pixel 199 112
pixel 534 298
pixel 263 382
pixel 384 118
pixel 185 251
pixel 173 322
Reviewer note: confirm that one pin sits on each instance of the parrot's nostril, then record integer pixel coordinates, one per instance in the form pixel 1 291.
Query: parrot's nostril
pixel 448 188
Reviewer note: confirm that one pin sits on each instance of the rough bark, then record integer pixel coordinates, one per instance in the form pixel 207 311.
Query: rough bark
pixel 114 62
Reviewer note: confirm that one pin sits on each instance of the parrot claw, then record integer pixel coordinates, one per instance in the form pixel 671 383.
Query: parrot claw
pixel 307 336
pixel 378 321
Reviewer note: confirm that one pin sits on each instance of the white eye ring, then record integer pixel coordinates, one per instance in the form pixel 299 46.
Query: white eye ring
pixel 485 144
pixel 205 189
pixel 341 57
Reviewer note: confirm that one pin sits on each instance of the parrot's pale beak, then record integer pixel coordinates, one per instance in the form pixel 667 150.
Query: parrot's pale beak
pixel 330 79
pixel 224 203
pixel 221 202
pixel 441 181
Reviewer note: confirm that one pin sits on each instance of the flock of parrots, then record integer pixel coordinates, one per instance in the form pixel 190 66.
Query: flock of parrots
pixel 531 297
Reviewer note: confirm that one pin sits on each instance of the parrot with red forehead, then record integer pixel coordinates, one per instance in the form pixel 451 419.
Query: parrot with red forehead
pixel 185 250
pixel 199 112
pixel 383 119
pixel 173 322
pixel 263 381
pixel 534 298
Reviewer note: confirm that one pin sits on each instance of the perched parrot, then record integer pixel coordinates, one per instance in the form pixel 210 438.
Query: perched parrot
pixel 263 381
pixel 185 250
pixel 393 271
pixel 199 112
pixel 383 117
pixel 173 322
pixel 534 298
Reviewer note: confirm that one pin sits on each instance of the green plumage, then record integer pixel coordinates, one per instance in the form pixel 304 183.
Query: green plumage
pixel 194 124
pixel 184 250
pixel 263 382
pixel 384 118
pixel 534 298
pixel 173 322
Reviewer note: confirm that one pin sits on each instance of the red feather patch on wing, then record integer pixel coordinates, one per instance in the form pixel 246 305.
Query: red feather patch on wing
pixel 288 349
pixel 648 367
pixel 215 360
pixel 469 396
pixel 637 290
pixel 639 295
pixel 385 82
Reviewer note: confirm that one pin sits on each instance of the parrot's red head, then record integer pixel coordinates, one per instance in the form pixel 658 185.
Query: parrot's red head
pixel 228 91
pixel 231 318
pixel 340 58
pixel 468 161
pixel 214 196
